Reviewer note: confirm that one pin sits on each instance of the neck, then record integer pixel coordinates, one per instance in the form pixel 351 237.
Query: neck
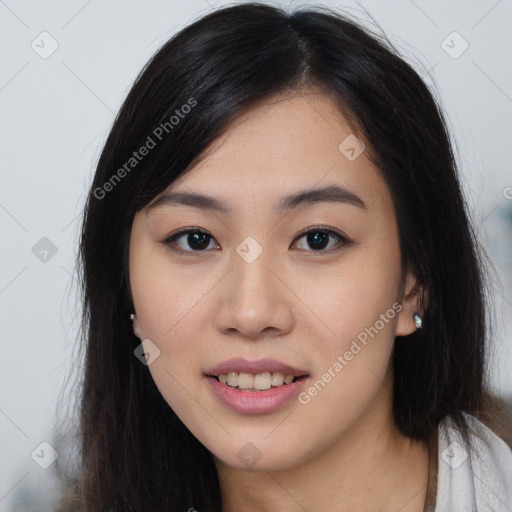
pixel 357 472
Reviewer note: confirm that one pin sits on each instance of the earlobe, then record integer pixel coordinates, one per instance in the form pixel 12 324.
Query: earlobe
pixel 136 326
pixel 413 305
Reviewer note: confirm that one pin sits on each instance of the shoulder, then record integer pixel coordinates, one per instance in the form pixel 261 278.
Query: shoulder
pixel 474 476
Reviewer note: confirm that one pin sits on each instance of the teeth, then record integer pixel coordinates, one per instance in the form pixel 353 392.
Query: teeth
pixel 259 382
pixel 245 380
pixel 232 379
pixel 277 379
pixel 263 381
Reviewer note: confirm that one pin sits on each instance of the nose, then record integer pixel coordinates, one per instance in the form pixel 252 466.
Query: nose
pixel 254 300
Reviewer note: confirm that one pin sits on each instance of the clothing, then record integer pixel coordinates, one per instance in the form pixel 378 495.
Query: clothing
pixel 479 481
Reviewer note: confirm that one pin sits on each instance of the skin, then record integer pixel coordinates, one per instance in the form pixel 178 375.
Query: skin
pixel 296 304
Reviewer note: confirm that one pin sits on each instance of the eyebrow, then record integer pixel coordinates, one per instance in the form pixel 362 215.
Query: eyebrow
pixel 331 193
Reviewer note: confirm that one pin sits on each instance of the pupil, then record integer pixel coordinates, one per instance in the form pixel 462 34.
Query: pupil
pixel 198 240
pixel 317 240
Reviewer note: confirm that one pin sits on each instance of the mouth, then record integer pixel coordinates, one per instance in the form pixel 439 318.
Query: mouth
pixel 255 387
pixel 244 381
pixel 251 400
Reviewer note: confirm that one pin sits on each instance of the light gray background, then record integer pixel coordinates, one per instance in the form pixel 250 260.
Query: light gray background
pixel 56 114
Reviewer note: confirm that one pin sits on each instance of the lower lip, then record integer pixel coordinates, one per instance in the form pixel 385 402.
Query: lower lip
pixel 256 402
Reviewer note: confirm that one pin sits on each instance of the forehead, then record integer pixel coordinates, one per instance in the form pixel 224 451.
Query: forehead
pixel 288 143
pixel 286 135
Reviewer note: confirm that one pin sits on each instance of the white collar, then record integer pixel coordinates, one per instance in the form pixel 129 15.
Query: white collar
pixel 471 481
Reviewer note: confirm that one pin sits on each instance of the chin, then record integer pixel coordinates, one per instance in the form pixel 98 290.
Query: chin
pixel 252 456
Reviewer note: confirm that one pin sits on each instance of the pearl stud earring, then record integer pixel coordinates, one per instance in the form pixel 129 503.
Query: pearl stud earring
pixel 417 320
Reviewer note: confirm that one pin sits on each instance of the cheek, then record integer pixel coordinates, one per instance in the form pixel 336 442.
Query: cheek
pixel 351 298
pixel 361 310
pixel 354 354
pixel 170 310
pixel 167 298
pixel 168 313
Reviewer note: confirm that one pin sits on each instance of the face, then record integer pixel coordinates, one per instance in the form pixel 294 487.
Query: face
pixel 263 287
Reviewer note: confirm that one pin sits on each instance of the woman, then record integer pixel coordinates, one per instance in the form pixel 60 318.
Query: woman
pixel 284 306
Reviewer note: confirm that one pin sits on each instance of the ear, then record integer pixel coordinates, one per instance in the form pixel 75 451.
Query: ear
pixel 136 328
pixel 414 301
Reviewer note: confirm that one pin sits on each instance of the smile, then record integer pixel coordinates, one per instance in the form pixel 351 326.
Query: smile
pixel 260 382
pixel 252 400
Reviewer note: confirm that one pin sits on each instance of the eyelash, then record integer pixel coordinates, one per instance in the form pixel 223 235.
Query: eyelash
pixel 343 241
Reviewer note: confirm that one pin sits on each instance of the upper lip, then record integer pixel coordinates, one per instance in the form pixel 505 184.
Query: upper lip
pixel 239 364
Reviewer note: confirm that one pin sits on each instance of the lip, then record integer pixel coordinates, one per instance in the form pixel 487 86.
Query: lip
pixel 255 402
pixel 239 364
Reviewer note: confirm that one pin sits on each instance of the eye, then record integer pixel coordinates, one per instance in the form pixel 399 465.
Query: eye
pixel 195 239
pixel 319 238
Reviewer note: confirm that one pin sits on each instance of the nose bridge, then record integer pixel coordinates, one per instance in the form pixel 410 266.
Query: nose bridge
pixel 252 298
pixel 252 276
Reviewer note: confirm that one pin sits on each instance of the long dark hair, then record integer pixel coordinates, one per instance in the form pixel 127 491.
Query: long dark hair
pixel 136 453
